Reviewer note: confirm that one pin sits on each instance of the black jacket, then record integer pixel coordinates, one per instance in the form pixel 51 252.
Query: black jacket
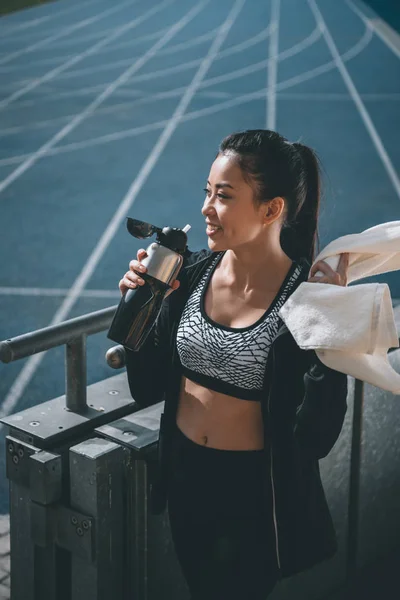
pixel 303 411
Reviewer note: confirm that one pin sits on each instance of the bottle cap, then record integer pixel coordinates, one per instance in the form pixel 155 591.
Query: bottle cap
pixel 173 238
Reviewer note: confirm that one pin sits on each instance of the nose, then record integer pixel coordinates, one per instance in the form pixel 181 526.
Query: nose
pixel 208 207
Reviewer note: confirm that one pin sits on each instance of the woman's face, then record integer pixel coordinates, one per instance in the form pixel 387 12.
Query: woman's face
pixel 233 218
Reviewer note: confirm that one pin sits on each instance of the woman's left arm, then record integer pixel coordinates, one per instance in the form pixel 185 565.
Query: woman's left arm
pixel 320 416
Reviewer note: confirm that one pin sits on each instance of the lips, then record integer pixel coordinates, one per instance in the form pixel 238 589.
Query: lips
pixel 212 226
pixel 213 229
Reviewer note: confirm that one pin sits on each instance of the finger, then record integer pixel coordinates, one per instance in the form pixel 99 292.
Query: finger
pixel 131 279
pixel 135 265
pixel 343 265
pixel 141 254
pixel 322 279
pixel 322 266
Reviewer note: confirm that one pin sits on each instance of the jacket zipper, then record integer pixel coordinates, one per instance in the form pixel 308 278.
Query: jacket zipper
pixel 272 468
pixel 273 497
pixel 274 511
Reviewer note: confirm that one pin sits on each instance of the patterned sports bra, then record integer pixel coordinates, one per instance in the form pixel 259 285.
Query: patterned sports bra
pixel 227 359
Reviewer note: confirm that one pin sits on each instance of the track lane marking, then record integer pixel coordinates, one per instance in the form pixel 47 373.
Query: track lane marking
pixel 91 108
pixel 81 56
pixel 86 273
pixel 63 32
pixel 362 110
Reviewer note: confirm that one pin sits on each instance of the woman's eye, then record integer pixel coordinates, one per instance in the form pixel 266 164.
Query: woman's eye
pixel 219 195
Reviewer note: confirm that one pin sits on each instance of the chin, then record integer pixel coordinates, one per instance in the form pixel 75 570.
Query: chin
pixel 215 246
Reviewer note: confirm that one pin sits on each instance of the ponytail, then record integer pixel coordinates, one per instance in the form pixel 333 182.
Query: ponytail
pixel 299 236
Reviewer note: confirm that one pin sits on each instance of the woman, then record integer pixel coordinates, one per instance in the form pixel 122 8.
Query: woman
pixel 247 414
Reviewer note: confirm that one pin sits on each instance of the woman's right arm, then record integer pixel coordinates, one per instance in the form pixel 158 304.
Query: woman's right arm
pixel 147 369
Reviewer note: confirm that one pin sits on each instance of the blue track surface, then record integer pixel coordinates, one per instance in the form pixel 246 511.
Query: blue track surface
pixel 107 111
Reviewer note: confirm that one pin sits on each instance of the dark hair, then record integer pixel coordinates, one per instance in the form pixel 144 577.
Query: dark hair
pixel 276 167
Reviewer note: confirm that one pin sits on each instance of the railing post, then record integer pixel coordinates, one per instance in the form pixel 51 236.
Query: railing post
pixel 21 544
pixel 354 486
pixel 75 374
pixel 96 488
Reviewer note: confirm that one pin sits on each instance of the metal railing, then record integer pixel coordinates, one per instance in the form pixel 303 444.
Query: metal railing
pixel 73 334
pixel 66 484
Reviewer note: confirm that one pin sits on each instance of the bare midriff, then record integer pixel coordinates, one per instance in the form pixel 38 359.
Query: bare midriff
pixel 217 420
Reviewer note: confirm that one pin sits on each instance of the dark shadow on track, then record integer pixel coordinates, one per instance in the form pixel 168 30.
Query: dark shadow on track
pixel 8 6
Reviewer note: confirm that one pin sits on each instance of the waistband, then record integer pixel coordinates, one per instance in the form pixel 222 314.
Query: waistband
pixel 202 451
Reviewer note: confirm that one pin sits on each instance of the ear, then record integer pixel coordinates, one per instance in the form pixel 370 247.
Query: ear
pixel 273 210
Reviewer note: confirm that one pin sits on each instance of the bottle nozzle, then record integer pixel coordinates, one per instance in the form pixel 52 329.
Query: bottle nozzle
pixel 186 228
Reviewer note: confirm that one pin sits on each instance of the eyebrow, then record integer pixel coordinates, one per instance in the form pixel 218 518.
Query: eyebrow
pixel 222 184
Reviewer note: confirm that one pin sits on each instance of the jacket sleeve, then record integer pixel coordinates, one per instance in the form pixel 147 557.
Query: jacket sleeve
pixel 147 369
pixel 320 416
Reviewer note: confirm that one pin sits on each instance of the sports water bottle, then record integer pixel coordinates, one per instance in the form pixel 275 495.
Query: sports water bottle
pixel 139 307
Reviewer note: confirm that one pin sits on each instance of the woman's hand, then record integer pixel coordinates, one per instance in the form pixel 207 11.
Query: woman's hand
pixel 132 278
pixel 338 277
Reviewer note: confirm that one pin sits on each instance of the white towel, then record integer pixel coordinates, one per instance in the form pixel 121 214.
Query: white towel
pixel 351 328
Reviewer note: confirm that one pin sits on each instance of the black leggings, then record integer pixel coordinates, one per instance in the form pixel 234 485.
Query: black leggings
pixel 221 521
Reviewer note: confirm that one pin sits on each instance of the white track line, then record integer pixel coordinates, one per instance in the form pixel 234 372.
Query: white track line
pixel 123 62
pixel 105 66
pixel 296 49
pixel 211 110
pixel 283 85
pixel 89 52
pixel 33 362
pixel 145 77
pixel 51 60
pixel 144 38
pixel 163 72
pixel 370 97
pixel 273 65
pixel 329 66
pixel 131 43
pixel 57 95
pixel 144 99
pixel 64 32
pixel 300 46
pixel 364 114
pixel 29 291
pixel 94 35
pixel 91 108
pixel 10 30
pixel 228 52
pixel 232 50
pixel 63 42
pixel 386 33
pixel 117 64
pixel 395 97
pixel 200 39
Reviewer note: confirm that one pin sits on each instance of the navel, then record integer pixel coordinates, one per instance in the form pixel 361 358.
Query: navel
pixel 205 439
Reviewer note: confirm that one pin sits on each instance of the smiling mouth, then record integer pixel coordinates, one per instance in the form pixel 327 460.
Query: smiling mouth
pixel 211 229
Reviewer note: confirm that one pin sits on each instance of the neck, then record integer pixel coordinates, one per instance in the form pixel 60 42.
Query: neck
pixel 250 267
